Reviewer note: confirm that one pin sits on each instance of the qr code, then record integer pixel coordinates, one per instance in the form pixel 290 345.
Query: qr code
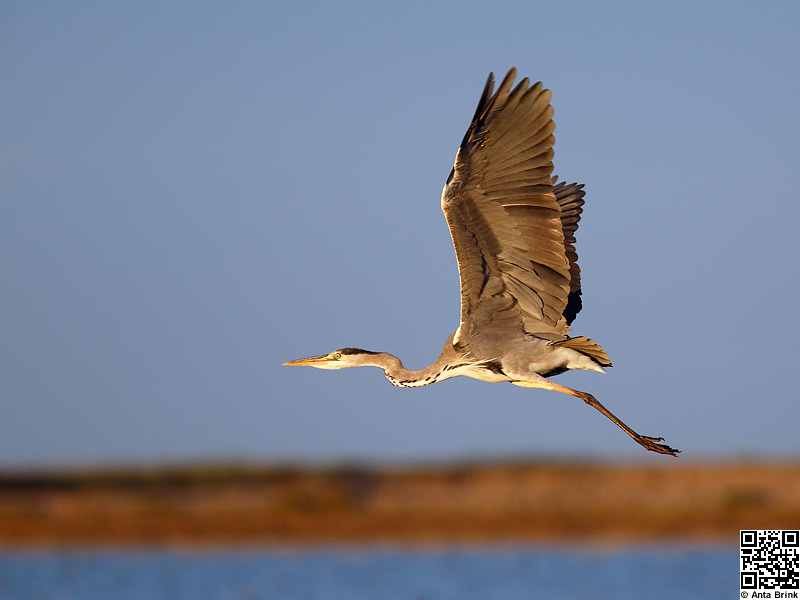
pixel 769 560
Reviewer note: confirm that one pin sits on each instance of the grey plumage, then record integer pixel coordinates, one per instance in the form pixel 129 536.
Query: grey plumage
pixel 513 228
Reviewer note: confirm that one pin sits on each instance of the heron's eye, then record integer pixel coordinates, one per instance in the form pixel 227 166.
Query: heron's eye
pixel 336 355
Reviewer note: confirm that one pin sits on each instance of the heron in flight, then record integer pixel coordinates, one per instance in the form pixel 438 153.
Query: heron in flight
pixel 513 228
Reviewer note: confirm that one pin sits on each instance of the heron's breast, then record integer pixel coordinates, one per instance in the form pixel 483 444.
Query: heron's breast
pixel 491 371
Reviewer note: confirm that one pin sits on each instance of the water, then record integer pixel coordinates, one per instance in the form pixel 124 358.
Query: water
pixel 373 573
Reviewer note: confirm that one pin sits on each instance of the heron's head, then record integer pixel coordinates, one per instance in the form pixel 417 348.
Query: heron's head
pixel 338 359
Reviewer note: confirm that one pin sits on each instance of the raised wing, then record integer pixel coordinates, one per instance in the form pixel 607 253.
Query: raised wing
pixel 505 220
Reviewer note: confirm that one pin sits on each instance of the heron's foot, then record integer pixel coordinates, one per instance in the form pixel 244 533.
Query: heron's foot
pixel 651 443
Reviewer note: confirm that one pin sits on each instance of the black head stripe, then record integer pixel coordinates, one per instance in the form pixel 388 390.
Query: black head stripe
pixel 355 351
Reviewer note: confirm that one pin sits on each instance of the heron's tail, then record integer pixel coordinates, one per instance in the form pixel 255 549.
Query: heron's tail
pixel 587 347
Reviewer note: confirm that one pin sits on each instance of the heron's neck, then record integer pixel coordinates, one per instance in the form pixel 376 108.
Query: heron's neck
pixel 399 376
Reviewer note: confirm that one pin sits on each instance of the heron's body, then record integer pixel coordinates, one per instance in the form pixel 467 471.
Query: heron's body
pixel 513 230
pixel 527 359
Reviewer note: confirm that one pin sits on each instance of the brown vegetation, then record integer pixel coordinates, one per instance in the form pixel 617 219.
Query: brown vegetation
pixel 525 502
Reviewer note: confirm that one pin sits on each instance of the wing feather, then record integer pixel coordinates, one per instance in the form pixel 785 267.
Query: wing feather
pixel 570 198
pixel 513 235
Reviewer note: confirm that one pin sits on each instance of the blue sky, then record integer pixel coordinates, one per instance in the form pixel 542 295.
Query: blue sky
pixel 196 192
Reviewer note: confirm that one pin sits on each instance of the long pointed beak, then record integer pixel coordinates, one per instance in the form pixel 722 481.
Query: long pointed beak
pixel 311 361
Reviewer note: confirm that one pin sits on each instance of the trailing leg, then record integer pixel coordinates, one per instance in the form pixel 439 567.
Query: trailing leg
pixel 650 443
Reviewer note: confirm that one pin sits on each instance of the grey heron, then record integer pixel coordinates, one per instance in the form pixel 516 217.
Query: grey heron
pixel 513 228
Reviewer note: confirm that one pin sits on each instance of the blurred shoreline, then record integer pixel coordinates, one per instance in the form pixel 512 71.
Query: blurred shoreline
pixel 472 503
